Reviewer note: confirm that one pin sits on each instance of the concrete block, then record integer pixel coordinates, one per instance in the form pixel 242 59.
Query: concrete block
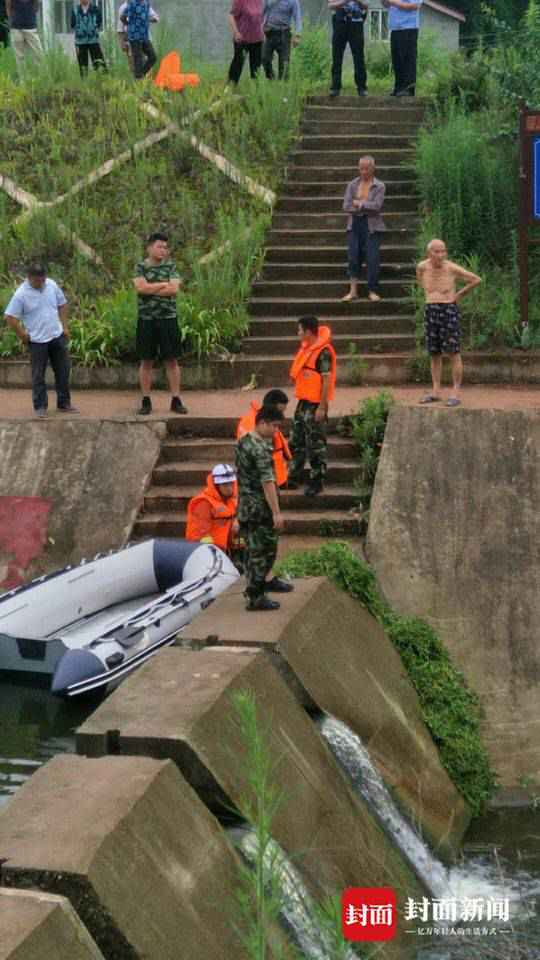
pixel 145 865
pixel 346 665
pixel 180 703
pixel 453 536
pixel 36 925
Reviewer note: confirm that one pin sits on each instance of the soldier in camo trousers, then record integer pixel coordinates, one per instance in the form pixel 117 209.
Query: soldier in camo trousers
pixel 313 373
pixel 258 510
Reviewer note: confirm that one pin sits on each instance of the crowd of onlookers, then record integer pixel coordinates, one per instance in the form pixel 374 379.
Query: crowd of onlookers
pixel 261 30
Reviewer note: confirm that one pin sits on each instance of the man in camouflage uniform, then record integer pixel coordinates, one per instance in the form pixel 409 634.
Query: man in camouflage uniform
pixel 258 510
pixel 157 283
pixel 308 437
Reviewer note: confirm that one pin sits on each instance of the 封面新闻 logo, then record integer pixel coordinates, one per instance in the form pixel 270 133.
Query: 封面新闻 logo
pixel 368 913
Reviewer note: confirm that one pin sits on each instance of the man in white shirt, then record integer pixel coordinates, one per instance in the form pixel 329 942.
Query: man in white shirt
pixel 38 313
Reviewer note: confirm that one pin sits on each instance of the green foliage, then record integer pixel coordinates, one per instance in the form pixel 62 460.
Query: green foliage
pixel 450 710
pixel 460 170
pixel 103 333
pixel 312 57
pixel 260 897
pixel 367 428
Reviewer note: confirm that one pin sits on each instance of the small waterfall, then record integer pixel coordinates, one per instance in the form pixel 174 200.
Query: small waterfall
pixel 299 911
pixel 474 878
pixel 354 759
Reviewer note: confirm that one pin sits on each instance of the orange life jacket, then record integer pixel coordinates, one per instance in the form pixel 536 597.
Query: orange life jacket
pixel 307 379
pixel 222 511
pixel 281 453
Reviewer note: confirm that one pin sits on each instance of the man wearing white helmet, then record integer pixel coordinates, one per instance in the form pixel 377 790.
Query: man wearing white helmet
pixel 211 514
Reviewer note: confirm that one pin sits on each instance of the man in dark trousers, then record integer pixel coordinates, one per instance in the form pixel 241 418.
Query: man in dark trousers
pixel 278 17
pixel 404 23
pixel 259 514
pixel 348 28
pixel 137 17
pixel 38 313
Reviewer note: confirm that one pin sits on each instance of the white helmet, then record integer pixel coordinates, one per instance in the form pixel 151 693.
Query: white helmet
pixel 223 473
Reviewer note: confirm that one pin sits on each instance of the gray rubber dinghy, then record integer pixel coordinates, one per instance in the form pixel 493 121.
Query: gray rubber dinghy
pixel 90 625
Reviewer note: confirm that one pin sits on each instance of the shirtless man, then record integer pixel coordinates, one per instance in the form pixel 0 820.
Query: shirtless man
pixel 437 276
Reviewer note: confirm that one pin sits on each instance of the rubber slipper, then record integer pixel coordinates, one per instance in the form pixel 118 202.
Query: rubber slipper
pixel 429 398
pixel 453 402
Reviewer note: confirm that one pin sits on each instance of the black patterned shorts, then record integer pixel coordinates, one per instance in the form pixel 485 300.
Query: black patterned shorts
pixel 442 329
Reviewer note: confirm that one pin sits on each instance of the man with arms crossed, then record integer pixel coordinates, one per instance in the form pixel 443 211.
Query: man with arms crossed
pixel 157 283
pixel 437 276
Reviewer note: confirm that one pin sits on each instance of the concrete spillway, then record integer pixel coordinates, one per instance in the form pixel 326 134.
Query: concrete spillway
pixel 454 538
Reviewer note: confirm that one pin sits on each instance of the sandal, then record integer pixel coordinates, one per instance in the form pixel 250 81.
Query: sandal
pixel 349 297
pixel 453 402
pixel 429 398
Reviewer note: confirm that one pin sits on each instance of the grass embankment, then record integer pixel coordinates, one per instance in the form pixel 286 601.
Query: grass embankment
pixel 56 129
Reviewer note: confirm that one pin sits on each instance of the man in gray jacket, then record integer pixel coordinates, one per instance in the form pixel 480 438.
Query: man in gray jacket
pixel 278 16
pixel 364 199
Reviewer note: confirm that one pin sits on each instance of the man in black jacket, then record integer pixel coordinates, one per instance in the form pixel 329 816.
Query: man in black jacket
pixel 348 28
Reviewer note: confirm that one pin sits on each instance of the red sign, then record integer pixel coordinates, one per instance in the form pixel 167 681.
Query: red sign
pixel 369 914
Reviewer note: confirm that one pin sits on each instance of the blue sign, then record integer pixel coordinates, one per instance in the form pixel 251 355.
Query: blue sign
pixel 536 178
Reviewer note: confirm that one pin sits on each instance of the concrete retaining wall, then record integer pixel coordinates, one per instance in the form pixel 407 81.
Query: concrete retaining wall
pixel 69 490
pixel 517 367
pixel 145 865
pixel 454 537
pixel 36 926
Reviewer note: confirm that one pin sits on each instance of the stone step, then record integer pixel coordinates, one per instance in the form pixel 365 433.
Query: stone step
pixel 194 474
pixel 272 327
pixel 331 271
pixel 337 221
pixel 363 143
pixel 281 307
pixel 364 343
pixel 329 171
pixel 300 523
pixel 359 128
pixel 403 104
pixel 212 450
pixel 304 189
pixel 330 204
pixel 336 237
pixel 347 157
pixel 382 116
pixel 192 428
pixel 396 256
pixel 326 289
pixel 175 499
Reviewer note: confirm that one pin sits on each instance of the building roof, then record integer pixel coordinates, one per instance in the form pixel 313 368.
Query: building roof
pixel 442 8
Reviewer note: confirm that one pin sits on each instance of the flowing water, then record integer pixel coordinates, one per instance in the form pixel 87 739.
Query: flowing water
pixel 501 860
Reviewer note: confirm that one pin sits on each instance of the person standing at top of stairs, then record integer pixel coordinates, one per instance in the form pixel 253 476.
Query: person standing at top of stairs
pixel 348 28
pixel 404 24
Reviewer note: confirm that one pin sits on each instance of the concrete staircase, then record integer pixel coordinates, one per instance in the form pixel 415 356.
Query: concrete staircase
pixel 193 445
pixel 305 272
pixel 305 266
